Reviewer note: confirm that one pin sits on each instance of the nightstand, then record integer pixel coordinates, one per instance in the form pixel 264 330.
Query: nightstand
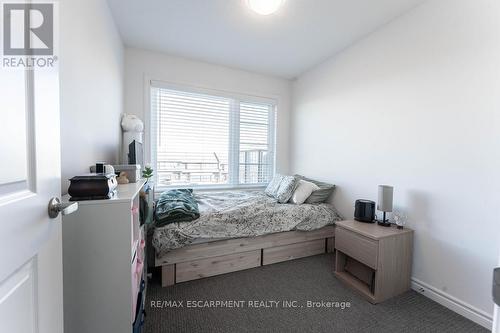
pixel 373 260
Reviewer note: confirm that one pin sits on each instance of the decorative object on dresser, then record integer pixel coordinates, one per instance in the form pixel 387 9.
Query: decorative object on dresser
pixel 128 173
pixel 132 171
pixel 93 186
pixel 104 264
pixel 400 219
pixel 135 153
pixel 102 168
pixel 122 178
pixel 385 193
pixel 99 168
pixel 147 174
pixel 132 129
pixel 373 260
pixel 364 211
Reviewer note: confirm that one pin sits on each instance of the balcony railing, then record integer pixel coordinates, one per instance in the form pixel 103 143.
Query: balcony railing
pixel 211 170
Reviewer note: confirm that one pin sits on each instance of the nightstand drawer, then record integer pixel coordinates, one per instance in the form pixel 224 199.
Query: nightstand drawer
pixel 356 246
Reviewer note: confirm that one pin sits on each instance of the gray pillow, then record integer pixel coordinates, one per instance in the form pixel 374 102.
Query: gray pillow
pixel 321 195
pixel 273 186
pixel 287 187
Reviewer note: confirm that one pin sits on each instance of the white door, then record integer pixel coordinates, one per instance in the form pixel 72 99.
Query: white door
pixel 31 281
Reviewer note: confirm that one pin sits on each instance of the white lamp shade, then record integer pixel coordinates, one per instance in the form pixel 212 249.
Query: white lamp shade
pixel 385 194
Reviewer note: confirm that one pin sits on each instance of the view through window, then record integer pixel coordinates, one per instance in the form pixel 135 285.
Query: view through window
pixel 202 139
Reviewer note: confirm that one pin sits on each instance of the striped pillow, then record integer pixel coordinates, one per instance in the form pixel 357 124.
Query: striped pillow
pixel 287 187
pixel 273 186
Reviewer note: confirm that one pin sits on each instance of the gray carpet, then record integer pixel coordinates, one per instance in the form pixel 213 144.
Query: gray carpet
pixel 307 279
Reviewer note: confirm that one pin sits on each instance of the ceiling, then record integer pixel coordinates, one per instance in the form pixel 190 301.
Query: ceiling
pixel 300 35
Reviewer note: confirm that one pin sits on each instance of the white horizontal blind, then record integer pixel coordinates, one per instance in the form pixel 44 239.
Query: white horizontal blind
pixel 205 139
pixel 255 151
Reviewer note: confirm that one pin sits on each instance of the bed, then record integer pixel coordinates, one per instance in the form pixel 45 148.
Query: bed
pixel 239 230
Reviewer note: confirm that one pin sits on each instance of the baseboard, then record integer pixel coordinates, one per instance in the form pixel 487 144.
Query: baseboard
pixel 468 311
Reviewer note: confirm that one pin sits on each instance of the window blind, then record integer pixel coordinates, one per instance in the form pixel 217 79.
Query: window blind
pixel 205 139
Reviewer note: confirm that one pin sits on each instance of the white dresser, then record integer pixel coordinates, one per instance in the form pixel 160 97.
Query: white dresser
pixel 103 258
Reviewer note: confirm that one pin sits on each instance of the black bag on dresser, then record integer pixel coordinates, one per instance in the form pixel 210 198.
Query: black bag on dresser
pixel 94 186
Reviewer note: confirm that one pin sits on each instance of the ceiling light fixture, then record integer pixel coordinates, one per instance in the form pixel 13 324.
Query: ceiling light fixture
pixel 265 7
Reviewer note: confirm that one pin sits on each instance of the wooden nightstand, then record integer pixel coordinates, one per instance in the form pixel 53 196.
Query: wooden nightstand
pixel 374 260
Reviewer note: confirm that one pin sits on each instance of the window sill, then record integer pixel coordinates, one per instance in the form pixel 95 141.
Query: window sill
pixel 210 188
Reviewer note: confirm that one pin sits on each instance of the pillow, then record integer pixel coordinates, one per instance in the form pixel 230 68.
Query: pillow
pixel 273 186
pixel 287 187
pixel 303 191
pixel 321 195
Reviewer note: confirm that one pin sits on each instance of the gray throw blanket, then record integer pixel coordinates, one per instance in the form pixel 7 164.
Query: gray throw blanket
pixel 176 206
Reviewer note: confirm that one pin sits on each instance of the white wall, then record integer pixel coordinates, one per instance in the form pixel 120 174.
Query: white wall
pixel 140 64
pixel 91 76
pixel 417 105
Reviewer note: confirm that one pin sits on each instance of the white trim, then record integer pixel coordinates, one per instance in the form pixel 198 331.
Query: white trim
pixel 247 97
pixel 148 79
pixel 468 311
pixel 148 123
pixel 236 99
pixel 273 142
pixel 234 142
pixel 216 187
pixel 211 188
pixel 496 322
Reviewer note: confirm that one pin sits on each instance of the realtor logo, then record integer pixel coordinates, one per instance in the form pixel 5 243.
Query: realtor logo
pixel 28 29
pixel 29 34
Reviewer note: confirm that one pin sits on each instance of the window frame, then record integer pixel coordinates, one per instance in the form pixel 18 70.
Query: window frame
pixel 237 98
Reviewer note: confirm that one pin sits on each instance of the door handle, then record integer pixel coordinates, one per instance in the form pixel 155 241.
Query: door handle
pixel 56 207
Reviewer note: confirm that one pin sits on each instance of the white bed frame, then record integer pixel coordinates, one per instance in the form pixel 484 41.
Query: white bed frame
pixel 208 259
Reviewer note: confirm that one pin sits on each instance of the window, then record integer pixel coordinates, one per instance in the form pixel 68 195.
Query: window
pixel 211 139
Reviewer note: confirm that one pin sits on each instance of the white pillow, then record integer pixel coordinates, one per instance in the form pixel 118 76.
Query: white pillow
pixel 303 191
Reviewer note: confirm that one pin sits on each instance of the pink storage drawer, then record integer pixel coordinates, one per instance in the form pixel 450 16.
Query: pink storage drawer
pixel 137 267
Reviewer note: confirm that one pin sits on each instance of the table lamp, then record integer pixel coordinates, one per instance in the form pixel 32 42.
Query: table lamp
pixel 385 194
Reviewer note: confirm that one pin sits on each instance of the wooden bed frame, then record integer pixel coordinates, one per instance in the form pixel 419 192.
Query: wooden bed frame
pixel 208 259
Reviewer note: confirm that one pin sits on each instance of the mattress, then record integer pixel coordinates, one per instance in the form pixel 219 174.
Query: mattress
pixel 237 214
